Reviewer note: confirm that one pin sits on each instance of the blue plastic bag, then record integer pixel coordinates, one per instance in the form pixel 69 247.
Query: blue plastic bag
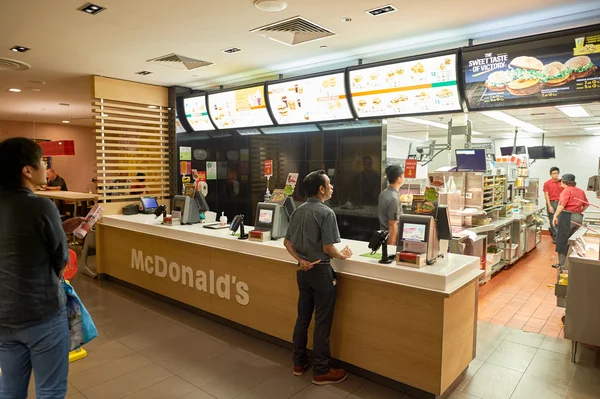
pixel 81 326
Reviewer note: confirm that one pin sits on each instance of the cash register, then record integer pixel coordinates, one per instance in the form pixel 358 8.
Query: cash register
pixel 274 218
pixel 419 237
pixel 189 209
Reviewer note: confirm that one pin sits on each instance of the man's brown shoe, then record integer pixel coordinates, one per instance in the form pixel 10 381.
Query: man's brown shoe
pixel 332 377
pixel 299 370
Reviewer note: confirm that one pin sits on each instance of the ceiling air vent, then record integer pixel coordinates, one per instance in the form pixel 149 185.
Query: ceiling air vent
pixel 232 50
pixel 180 62
pixel 375 12
pixel 7 64
pixel 294 31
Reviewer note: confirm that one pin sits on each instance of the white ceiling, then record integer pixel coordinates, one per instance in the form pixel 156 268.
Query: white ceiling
pixel 550 119
pixel 68 45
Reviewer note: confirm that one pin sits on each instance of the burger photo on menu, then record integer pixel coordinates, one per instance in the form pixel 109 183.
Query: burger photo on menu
pixel 527 74
pixel 581 66
pixel 556 74
pixel 497 81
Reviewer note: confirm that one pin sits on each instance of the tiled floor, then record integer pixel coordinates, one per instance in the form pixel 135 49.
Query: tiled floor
pixel 522 297
pixel 151 350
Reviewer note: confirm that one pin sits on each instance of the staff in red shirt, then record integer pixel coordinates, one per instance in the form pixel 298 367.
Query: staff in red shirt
pixel 552 190
pixel 574 201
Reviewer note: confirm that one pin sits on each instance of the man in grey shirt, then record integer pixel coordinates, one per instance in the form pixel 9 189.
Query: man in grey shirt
pixel 389 202
pixel 310 239
pixel 34 331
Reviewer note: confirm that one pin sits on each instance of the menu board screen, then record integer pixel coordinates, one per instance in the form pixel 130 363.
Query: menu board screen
pixel 239 108
pixel 314 99
pixel 536 72
pixel 406 88
pixel 196 113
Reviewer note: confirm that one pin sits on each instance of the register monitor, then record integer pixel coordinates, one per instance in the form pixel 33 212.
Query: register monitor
pixel 418 234
pixel 188 209
pixel 274 217
pixel 149 205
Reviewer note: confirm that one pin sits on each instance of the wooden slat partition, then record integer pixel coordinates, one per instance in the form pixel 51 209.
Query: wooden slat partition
pixel 132 137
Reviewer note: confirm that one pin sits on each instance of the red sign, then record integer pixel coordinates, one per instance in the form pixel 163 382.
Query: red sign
pixel 58 148
pixel 410 169
pixel 269 167
pixel 185 167
pixel 202 175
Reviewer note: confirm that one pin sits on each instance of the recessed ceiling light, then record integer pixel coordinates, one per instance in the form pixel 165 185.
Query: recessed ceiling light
pixel 574 111
pixel 231 50
pixel 37 82
pixel 375 12
pixel 323 47
pixel 346 19
pixel 592 128
pixel 66 121
pixel 64 104
pixel 15 90
pixel 152 106
pixel 270 5
pixel 91 9
pixel 20 49
pixel 501 116
pixel 143 73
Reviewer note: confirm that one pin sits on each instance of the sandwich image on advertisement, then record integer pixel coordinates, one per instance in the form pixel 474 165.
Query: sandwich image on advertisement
pixel 527 76
pixel 556 74
pixel 498 80
pixel 581 66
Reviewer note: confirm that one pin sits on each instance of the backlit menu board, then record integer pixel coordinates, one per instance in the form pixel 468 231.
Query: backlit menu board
pixel 314 99
pixel 239 108
pixel 419 86
pixel 196 113
pixel 540 70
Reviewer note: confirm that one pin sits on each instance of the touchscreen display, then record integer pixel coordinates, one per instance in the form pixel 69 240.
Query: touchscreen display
pixel 265 216
pixel 149 203
pixel 413 232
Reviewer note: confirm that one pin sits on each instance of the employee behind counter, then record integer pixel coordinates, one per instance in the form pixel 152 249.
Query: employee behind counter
pixel 310 239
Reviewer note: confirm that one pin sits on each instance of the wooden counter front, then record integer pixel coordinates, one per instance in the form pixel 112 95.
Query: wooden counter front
pixel 418 337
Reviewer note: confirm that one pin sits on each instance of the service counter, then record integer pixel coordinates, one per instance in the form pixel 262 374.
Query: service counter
pixel 414 326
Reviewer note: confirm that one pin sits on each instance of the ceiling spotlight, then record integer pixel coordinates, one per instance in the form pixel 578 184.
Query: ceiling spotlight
pixel 91 9
pixel 143 73
pixel 66 121
pixel 270 5
pixel 64 104
pixel 37 82
pixel 15 90
pixel 323 47
pixel 346 19
pixel 33 89
pixel 20 49
pixel 152 106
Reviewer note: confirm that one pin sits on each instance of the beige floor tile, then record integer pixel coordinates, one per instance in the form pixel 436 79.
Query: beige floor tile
pixel 209 371
pixel 147 339
pixel 349 386
pixel 525 338
pixel 90 378
pixel 315 392
pixel 531 387
pixel 197 394
pixel 461 395
pixel 281 386
pixel 183 354
pixel 513 356
pixel 241 380
pixel 552 367
pixel 128 383
pixel 372 390
pixel 585 383
pixel 493 382
pixel 111 351
pixel 471 371
pixel 557 345
pixel 171 388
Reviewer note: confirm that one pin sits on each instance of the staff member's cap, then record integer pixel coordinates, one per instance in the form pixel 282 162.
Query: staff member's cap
pixel 568 178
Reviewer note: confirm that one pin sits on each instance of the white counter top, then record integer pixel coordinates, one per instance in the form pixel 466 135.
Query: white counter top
pixel 446 276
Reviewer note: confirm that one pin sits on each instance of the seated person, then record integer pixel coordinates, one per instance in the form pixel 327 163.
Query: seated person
pixel 55 182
